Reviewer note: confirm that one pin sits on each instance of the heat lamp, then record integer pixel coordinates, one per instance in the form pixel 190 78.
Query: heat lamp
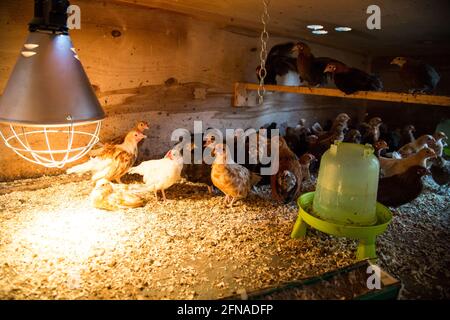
pixel 49 112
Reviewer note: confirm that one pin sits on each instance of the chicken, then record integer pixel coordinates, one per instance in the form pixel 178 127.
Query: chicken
pixel 141 126
pixel 318 146
pixel 234 180
pixel 417 75
pixel 296 139
pixel 353 136
pixel 310 68
pixel 371 131
pixel 401 188
pixel 439 144
pixel 391 167
pixel 305 163
pixel 413 147
pixel 407 135
pixel 350 80
pixel 161 174
pixel 198 172
pixel 286 183
pixel 392 137
pixel 114 160
pixel 278 63
pixel 341 120
pixel 379 147
pixel 108 196
pixel 440 171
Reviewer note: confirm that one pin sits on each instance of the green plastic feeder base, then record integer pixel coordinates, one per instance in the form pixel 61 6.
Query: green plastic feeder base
pixel 365 235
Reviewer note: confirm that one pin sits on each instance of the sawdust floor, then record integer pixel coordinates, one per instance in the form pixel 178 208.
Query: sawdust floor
pixel 54 245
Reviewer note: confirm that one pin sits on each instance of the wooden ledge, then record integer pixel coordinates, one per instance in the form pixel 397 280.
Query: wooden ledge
pixel 242 97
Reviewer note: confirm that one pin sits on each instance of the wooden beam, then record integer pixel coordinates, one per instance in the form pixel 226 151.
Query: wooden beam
pixel 242 97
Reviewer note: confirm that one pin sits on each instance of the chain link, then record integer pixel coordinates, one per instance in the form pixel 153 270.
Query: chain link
pixel 263 53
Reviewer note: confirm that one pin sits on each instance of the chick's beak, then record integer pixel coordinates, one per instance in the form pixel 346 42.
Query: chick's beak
pixel 169 155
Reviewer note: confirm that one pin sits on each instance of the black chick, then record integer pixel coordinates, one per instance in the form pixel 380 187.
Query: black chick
pixel 440 171
pixel 296 139
pixel 392 137
pixel 400 189
pixel 310 68
pixel 350 80
pixel 198 173
pixel 417 75
pixel 279 62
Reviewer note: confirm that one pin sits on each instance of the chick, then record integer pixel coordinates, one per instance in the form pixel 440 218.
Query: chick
pixel 439 144
pixel 440 171
pixel 286 183
pixel 418 76
pixel 108 196
pixel 296 139
pixel 413 147
pixel 371 130
pixel 353 136
pixel 234 180
pixel 379 147
pixel 401 188
pixel 350 80
pixel 305 162
pixel 407 135
pixel 391 167
pixel 141 126
pixel 310 68
pixel 199 172
pixel 392 137
pixel 161 174
pixel 114 160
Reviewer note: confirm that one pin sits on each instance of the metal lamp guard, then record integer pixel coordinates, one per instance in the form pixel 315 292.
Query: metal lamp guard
pixel 46 157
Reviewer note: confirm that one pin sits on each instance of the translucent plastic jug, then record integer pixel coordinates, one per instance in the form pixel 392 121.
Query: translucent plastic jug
pixel 346 191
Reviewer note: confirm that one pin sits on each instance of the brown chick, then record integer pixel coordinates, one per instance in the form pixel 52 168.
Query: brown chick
pixel 440 171
pixel 402 188
pixel 439 145
pixel 111 197
pixel 141 126
pixel 234 180
pixel 391 167
pixel 114 161
pixel 319 146
pixel 413 147
pixel 286 183
pixel 407 135
pixel 379 147
pixel 305 163
pixel 372 131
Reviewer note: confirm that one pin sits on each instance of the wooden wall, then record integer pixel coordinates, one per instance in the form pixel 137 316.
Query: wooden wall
pixel 167 68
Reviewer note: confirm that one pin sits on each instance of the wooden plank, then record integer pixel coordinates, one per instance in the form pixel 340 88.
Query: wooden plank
pixel 241 94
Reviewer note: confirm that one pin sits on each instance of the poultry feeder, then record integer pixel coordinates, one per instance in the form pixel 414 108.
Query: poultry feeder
pixel 344 203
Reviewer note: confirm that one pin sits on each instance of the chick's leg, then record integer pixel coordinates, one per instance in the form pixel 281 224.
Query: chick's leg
pixel 209 189
pixel 164 195
pixel 156 195
pixel 231 203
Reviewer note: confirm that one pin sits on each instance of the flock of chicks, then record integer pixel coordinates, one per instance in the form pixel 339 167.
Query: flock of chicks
pixel 404 160
pixel 418 76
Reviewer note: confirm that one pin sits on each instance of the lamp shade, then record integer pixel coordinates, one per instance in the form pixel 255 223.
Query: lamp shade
pixel 48 85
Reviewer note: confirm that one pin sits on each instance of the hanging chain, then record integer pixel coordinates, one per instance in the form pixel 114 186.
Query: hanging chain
pixel 263 54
